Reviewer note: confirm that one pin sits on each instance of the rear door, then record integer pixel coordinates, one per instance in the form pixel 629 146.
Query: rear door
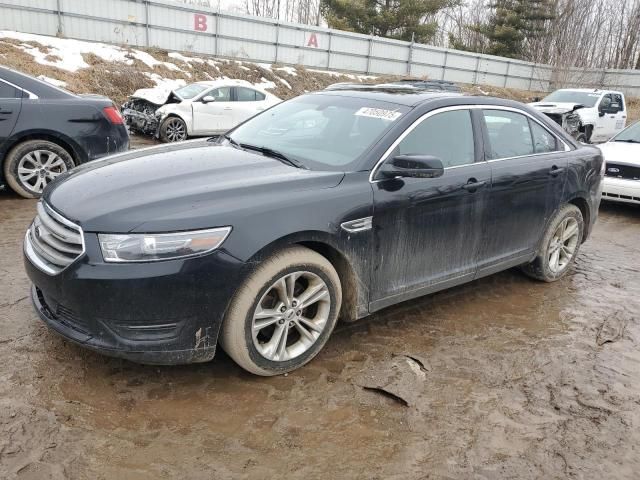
pixel 213 117
pixel 529 170
pixel 427 230
pixel 250 102
pixel 10 105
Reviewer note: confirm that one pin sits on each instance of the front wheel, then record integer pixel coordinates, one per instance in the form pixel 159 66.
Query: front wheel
pixel 173 129
pixel 282 316
pixel 560 246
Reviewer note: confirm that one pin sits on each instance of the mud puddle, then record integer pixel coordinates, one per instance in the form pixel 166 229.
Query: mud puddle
pixel 501 378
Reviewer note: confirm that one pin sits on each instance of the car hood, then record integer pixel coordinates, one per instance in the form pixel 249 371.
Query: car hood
pixel 555 107
pixel 621 152
pixel 157 96
pixel 188 186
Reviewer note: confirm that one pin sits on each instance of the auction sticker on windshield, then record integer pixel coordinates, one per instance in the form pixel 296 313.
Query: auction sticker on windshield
pixel 381 113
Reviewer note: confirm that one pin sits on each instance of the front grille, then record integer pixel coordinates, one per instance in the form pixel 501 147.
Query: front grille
pixel 619 170
pixel 52 241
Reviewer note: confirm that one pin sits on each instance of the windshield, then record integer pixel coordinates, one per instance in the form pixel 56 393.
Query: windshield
pixel 631 133
pixel 190 91
pixel 322 132
pixel 588 99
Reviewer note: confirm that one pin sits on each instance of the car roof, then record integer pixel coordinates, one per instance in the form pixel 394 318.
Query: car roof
pixel 389 93
pixel 587 90
pixel 33 85
pixel 229 82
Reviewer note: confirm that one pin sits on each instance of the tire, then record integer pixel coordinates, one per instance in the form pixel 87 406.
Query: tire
pixel 544 267
pixel 262 353
pixel 46 160
pixel 173 129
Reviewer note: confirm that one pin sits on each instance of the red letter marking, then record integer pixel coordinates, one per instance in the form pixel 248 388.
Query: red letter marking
pixel 199 22
pixel 313 41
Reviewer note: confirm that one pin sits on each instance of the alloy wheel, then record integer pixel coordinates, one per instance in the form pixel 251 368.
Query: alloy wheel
pixel 39 167
pixel 563 245
pixel 175 130
pixel 291 316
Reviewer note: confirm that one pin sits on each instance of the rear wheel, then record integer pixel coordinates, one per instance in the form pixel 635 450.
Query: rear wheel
pixel 30 166
pixel 560 246
pixel 173 129
pixel 283 314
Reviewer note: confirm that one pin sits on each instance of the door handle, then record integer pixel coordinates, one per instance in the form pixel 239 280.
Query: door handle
pixel 472 185
pixel 227 108
pixel 555 171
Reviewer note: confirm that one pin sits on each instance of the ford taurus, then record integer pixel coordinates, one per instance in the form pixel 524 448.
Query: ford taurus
pixel 332 205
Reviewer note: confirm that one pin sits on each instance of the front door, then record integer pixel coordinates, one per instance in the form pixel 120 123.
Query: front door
pixel 427 230
pixel 216 116
pixel 613 118
pixel 10 105
pixel 528 169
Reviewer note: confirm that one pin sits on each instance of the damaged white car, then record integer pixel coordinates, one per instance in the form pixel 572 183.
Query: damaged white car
pixel 590 116
pixel 197 109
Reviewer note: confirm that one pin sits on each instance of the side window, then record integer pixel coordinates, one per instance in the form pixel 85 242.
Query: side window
pixel 617 99
pixel 509 134
pixel 248 95
pixel 605 103
pixel 446 135
pixel 222 94
pixel 7 91
pixel 543 141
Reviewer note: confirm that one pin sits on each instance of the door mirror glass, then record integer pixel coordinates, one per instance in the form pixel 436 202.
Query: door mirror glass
pixel 413 166
pixel 208 99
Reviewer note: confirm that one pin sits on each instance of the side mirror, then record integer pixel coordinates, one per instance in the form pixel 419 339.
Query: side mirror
pixel 412 166
pixel 208 99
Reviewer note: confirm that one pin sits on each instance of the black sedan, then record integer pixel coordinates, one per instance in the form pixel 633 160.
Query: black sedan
pixel 331 205
pixel 45 131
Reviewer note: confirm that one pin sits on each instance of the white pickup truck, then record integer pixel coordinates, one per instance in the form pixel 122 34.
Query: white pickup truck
pixel 591 116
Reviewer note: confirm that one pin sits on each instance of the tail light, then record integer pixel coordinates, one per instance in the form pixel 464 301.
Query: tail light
pixel 113 115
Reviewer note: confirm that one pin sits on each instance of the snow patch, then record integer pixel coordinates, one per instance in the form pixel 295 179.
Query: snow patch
pixel 286 84
pixel 288 70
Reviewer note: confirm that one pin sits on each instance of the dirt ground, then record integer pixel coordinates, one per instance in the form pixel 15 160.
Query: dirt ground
pixel 501 378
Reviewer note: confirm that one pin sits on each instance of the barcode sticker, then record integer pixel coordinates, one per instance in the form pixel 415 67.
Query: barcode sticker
pixel 380 113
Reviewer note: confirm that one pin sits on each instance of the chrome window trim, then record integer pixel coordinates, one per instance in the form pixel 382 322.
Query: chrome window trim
pixel 418 121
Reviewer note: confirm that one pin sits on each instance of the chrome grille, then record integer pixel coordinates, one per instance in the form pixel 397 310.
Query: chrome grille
pixel 53 242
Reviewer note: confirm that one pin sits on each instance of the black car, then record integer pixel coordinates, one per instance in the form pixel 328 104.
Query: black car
pixel 45 131
pixel 331 205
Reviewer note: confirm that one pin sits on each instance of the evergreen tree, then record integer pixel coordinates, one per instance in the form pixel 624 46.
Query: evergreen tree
pixel 512 23
pixel 400 19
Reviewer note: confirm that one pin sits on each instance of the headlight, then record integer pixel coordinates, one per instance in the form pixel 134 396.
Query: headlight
pixel 149 247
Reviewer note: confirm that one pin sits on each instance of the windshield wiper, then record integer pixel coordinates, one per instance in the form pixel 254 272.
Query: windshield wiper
pixel 228 138
pixel 269 152
pixel 631 140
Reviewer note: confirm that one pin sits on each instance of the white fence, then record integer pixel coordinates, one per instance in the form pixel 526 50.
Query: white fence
pixel 175 26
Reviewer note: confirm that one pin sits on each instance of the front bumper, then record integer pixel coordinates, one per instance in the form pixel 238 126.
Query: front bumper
pixel 162 313
pixel 621 190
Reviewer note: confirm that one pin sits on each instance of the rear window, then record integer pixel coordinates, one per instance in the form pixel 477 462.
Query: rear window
pixel 248 95
pixel 509 134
